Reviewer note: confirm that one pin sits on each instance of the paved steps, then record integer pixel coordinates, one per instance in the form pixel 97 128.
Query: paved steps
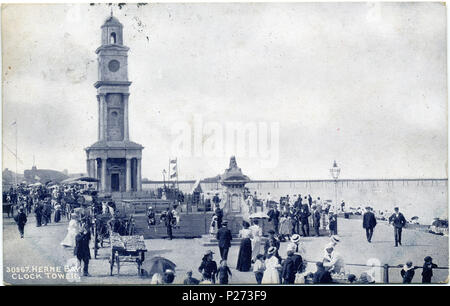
pixel 191 225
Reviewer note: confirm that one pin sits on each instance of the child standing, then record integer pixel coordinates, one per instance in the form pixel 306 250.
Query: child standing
pixel 407 272
pixel 222 272
pixel 213 226
pixel 427 271
pixel 258 268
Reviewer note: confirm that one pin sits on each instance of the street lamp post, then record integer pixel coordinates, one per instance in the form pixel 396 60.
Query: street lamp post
pixel 164 178
pixel 335 171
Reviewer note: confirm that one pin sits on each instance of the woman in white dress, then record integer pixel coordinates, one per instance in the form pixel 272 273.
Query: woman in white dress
pixel 271 274
pixel 256 239
pixel 72 231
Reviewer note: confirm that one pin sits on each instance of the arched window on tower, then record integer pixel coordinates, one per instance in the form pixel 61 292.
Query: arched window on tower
pixel 112 39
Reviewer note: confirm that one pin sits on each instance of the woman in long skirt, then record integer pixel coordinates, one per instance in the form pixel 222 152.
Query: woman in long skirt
pixel 57 217
pixel 271 274
pixel 256 240
pixel 285 227
pixel 72 231
pixel 245 251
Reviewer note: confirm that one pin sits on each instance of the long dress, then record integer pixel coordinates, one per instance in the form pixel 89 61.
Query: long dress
pixel 244 262
pixel 72 231
pixel 285 228
pixel 256 240
pixel 57 217
pixel 271 274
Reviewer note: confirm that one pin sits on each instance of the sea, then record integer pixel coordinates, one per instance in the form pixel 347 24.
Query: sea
pixel 423 198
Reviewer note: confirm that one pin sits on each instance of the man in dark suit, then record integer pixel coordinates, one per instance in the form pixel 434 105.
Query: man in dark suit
pixel 274 217
pixel 369 223
pixel 168 218
pixel 290 267
pixel 21 220
pixel 316 220
pixel 304 215
pixel 81 250
pixel 398 221
pixel 224 237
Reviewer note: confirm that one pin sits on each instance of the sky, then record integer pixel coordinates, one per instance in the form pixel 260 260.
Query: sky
pixel 364 84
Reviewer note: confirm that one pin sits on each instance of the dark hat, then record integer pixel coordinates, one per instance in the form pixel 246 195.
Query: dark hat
pixel 209 252
pixel 225 222
pixel 428 259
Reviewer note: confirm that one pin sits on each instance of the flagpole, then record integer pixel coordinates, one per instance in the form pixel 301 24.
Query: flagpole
pixel 16 154
pixel 168 177
pixel 178 186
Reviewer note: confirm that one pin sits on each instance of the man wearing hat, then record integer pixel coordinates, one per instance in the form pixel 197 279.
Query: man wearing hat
pixel 81 250
pixel 296 245
pixel 224 237
pixel 398 221
pixel 272 241
pixel 274 217
pixel 21 219
pixel 369 223
pixel 333 261
pixel 290 266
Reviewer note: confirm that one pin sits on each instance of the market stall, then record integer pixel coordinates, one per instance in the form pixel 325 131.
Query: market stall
pixel 130 249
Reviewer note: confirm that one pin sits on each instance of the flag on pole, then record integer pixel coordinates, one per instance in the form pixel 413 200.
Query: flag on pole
pixel 173 169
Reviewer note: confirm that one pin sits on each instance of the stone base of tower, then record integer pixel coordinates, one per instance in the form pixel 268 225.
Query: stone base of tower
pixel 117 166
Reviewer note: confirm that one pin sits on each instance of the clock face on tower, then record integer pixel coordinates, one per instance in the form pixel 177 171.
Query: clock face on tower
pixel 113 65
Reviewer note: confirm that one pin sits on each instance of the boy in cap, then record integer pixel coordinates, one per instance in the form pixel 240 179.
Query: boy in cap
pixel 427 271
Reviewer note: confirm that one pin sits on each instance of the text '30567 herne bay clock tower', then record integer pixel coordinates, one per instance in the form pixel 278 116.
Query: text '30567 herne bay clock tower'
pixel 114 159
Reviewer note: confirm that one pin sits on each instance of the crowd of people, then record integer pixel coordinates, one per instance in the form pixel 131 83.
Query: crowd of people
pixel 290 218
pixel 52 203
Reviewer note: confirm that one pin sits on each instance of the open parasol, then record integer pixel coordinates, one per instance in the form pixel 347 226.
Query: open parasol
pixel 80 179
pixel 159 265
pixel 258 215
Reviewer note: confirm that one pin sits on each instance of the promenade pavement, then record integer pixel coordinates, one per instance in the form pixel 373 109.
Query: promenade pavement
pixel 41 249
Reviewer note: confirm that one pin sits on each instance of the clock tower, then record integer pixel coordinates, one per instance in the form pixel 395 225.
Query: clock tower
pixel 114 159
